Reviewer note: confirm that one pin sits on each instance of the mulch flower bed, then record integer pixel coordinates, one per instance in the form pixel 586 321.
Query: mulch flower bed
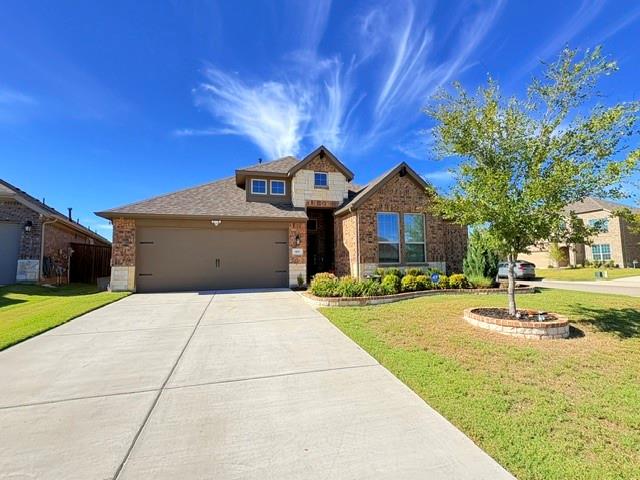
pixel 522 315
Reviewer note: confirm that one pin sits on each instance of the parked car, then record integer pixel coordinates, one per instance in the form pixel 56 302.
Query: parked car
pixel 523 270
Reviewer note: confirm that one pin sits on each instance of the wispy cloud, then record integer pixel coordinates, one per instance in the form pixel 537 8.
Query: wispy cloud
pixel 387 76
pixel 581 19
pixel 439 176
pixel 15 106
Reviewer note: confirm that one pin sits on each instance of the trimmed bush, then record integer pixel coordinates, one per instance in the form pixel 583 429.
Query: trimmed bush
pixel 371 288
pixel 324 285
pixel 443 283
pixel 423 282
pixel 415 272
pixel 393 271
pixel 458 280
pixel 391 284
pixel 409 283
pixel 481 282
pixel 348 287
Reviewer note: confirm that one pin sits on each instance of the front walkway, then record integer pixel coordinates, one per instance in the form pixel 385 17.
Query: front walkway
pixel 227 386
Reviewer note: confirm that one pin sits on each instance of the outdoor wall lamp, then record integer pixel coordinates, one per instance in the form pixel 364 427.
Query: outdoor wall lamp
pixel 297 240
pixel 28 226
pixel 216 222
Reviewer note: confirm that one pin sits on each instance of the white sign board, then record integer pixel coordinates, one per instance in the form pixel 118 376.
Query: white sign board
pixel 297 252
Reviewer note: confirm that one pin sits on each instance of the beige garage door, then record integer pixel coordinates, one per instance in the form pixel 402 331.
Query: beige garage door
pixel 174 259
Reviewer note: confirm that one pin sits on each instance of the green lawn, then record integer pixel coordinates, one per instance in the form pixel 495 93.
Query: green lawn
pixel 584 274
pixel 559 409
pixel 27 310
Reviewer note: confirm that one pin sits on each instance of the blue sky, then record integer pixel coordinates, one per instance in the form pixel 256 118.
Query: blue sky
pixel 105 103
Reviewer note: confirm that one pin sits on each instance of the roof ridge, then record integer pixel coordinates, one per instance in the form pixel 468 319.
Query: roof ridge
pixel 260 164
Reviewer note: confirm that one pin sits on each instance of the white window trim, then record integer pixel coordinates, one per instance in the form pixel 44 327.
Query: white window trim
pixel 284 188
pixel 399 243
pixel 601 253
pixel 266 186
pixel 424 237
pixel 326 175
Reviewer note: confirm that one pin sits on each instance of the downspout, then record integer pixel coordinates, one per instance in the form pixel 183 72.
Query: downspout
pixel 42 246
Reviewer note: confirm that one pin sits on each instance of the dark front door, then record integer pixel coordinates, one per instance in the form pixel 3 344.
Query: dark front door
pixel 320 246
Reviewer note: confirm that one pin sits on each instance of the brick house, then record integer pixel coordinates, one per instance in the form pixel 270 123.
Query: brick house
pixel 617 243
pixel 35 239
pixel 277 223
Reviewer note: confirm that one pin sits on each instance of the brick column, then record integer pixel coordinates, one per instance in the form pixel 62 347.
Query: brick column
pixel 123 255
pixel 297 263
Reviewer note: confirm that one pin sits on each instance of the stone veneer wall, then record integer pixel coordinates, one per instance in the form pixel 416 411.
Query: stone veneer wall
pixel 446 243
pixel 297 263
pixel 123 255
pixel 303 189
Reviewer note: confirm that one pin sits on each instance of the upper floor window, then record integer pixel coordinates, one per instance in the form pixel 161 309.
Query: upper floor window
pixel 388 237
pixel 601 223
pixel 601 253
pixel 414 238
pixel 277 187
pixel 320 179
pixel 258 187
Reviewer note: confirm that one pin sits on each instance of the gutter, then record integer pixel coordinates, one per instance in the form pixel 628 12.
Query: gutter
pixel 41 276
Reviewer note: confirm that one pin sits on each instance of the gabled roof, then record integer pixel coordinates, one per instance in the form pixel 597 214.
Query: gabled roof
pixel 273 168
pixel 401 169
pixel 8 190
pixel 593 204
pixel 219 199
pixel 323 152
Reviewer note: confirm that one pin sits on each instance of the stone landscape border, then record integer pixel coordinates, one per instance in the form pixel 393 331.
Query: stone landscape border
pixel 547 330
pixel 364 301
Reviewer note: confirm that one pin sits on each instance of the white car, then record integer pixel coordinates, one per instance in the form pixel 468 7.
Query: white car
pixel 523 270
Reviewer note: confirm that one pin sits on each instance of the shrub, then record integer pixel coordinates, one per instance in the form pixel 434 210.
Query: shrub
pixel 300 280
pixel 379 272
pixel 443 282
pixel 481 259
pixel 391 284
pixel 393 271
pixel 414 271
pixel 458 280
pixel 481 282
pixel 371 288
pixel 324 285
pixel 423 282
pixel 349 287
pixel 409 283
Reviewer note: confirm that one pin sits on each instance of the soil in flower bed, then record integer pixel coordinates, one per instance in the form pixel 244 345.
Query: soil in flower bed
pixel 525 315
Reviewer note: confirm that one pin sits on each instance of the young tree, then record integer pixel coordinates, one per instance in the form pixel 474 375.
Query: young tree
pixel 521 161
pixel 557 254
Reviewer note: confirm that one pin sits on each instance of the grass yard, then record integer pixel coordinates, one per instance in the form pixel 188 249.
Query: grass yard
pixel 556 409
pixel 27 310
pixel 584 274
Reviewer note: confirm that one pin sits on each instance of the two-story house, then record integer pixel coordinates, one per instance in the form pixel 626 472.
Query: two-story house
pixel 615 243
pixel 276 224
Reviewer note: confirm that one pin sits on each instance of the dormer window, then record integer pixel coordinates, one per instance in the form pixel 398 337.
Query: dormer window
pixel 277 187
pixel 258 187
pixel 320 180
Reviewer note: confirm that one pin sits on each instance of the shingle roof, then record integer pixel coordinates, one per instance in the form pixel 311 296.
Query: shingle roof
pixel 281 165
pixel 591 204
pixel 7 188
pixel 222 198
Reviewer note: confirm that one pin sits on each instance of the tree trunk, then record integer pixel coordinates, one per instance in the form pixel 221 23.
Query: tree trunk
pixel 511 289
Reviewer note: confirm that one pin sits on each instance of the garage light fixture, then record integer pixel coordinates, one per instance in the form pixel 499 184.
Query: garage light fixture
pixel 28 226
pixel 216 222
pixel 297 240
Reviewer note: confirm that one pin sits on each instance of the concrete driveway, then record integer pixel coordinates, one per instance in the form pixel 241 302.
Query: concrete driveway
pixel 232 385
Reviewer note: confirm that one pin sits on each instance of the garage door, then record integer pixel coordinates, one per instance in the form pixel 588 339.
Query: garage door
pixel 9 247
pixel 174 259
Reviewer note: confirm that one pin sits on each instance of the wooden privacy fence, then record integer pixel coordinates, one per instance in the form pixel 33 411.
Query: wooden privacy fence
pixel 88 262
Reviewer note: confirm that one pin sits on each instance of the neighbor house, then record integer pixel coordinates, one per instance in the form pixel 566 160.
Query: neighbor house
pixel 615 243
pixel 278 223
pixel 36 241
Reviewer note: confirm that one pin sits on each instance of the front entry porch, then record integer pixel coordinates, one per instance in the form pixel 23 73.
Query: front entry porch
pixel 320 241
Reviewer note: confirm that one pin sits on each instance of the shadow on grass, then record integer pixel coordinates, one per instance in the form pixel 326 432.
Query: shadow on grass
pixel 623 322
pixel 75 289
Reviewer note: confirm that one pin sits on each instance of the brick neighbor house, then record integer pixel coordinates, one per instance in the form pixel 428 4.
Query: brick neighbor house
pixel 36 240
pixel 617 243
pixel 276 223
